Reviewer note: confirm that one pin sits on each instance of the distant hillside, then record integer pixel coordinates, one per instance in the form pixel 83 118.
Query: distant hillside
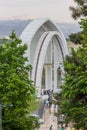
pixel 69 28
pixel 6 27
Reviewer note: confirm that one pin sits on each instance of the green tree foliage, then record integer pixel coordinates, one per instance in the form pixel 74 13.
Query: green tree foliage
pixel 57 98
pixel 16 89
pixel 80 10
pixel 74 90
pixel 83 24
pixel 76 38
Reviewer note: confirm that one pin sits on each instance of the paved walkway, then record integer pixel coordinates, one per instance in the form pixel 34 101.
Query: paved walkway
pixel 49 119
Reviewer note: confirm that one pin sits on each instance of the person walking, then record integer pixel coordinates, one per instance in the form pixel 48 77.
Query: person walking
pixel 62 127
pixel 51 127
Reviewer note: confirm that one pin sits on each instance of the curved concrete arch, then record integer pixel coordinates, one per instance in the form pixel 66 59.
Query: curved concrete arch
pixel 39 35
pixel 37 53
pixel 32 28
pixel 42 49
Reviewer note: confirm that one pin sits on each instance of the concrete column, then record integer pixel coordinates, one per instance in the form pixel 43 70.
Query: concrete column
pixel 57 61
pixel 55 80
pixel 48 68
pixel 48 77
pixel 38 91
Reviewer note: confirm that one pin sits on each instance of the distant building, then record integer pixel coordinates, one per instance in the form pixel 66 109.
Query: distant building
pixel 46 51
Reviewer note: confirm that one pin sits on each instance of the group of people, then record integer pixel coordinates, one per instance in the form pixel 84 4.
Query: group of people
pixel 48 102
pixel 46 92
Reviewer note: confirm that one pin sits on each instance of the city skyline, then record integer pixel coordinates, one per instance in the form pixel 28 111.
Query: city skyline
pixel 30 9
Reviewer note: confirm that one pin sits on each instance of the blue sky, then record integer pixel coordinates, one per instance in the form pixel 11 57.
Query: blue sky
pixel 31 9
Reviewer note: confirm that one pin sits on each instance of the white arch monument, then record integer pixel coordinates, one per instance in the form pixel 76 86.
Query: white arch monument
pixel 46 50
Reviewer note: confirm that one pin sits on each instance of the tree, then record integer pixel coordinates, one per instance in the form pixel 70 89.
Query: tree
pixel 76 38
pixel 16 88
pixel 83 24
pixel 80 10
pixel 74 90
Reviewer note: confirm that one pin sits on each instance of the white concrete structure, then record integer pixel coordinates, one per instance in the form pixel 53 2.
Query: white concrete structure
pixel 46 50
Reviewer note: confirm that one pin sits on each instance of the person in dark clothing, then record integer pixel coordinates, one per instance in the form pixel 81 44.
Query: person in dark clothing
pixel 51 127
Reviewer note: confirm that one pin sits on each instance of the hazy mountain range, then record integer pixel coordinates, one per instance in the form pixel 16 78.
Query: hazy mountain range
pixel 6 27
